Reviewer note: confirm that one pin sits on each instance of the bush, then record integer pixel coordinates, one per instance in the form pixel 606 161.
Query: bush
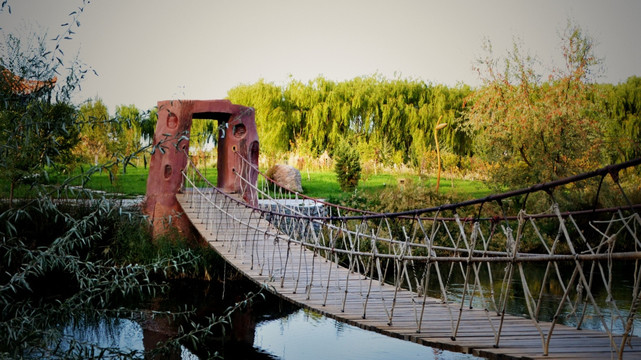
pixel 347 166
pixel 63 262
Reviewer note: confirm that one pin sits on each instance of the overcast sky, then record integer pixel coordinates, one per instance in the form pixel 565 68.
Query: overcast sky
pixel 150 50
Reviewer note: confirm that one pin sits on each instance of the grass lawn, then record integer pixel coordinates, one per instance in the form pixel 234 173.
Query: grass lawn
pixel 315 184
pixel 132 183
pixel 325 184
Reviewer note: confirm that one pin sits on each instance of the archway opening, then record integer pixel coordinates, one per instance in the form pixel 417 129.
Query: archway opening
pixel 207 130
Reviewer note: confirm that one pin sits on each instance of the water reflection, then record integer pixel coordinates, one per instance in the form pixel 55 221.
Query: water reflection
pixel 125 336
pixel 270 329
pixel 275 329
pixel 577 308
pixel 300 335
pixel 307 335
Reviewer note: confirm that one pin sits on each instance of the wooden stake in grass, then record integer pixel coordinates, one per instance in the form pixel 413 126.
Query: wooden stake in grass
pixel 438 153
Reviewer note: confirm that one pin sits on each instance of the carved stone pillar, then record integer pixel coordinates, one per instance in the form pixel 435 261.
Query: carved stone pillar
pixel 165 169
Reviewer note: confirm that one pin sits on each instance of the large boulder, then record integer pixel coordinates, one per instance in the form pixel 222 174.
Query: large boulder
pixel 287 176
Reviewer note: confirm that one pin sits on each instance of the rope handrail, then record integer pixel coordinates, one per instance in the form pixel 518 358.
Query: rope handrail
pixel 331 219
pixel 431 254
pixel 607 170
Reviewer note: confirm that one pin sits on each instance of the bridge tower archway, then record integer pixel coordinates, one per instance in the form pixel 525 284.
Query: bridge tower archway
pixel 165 180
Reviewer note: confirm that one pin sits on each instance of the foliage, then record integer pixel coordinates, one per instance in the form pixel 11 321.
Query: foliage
pixel 34 131
pixel 347 166
pixel 95 131
pixel 130 136
pixel 105 138
pixel 411 195
pixel 203 133
pixel 272 119
pixel 203 138
pixel 31 263
pixel 390 115
pixel 537 131
pixel 148 125
pixel 622 105
pixel 63 263
pixel 57 247
pixel 33 137
pixel 528 126
pixel 559 125
pixel 133 244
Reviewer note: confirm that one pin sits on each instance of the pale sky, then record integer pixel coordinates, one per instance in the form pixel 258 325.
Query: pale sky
pixel 150 50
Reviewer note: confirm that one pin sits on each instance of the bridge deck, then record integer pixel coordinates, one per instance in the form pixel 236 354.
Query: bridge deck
pixel 519 336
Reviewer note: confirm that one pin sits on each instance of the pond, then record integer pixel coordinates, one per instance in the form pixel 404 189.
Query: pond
pixel 269 329
pixel 300 335
pixel 274 329
pixel 307 335
pixel 575 309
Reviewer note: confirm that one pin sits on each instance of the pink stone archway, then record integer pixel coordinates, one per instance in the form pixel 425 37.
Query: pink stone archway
pixel 165 177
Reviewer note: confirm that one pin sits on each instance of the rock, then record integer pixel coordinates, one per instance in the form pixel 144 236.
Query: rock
pixel 287 176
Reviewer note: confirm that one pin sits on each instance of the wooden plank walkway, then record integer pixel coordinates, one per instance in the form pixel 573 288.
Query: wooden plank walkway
pixel 323 287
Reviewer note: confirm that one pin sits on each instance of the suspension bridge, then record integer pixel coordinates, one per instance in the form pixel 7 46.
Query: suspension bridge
pixel 374 270
pixel 446 276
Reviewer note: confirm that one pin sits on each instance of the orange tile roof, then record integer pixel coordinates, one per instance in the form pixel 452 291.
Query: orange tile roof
pixel 22 86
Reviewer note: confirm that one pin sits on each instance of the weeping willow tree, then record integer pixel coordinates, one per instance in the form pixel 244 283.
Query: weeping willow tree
pixel 272 121
pixel 392 121
pixel 389 116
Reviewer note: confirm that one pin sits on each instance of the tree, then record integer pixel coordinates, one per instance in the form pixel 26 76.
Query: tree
pixel 622 104
pixel 130 138
pixel 272 121
pixel 534 131
pixel 36 136
pixel 34 131
pixel 99 135
pixel 115 139
pixel 347 165
pixel 56 264
pixel 392 116
pixel 129 118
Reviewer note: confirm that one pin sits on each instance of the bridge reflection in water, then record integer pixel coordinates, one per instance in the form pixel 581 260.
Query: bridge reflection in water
pixel 372 270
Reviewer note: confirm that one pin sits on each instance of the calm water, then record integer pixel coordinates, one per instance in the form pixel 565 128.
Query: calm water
pixel 307 335
pixel 613 311
pixel 300 335
pixel 271 329
pixel 274 329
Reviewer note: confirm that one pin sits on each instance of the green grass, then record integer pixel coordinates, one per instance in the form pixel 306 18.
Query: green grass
pixel 315 184
pixel 132 183
pixel 325 185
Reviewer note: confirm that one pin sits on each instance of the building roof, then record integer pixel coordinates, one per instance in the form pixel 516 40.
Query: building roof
pixel 21 86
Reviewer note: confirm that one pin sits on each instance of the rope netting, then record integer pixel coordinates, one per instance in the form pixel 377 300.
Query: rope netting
pixel 520 252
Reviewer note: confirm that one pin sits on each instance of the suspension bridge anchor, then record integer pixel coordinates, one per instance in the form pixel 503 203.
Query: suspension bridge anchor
pixel 237 135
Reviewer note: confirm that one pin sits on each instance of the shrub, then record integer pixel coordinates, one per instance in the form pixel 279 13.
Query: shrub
pixel 347 166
